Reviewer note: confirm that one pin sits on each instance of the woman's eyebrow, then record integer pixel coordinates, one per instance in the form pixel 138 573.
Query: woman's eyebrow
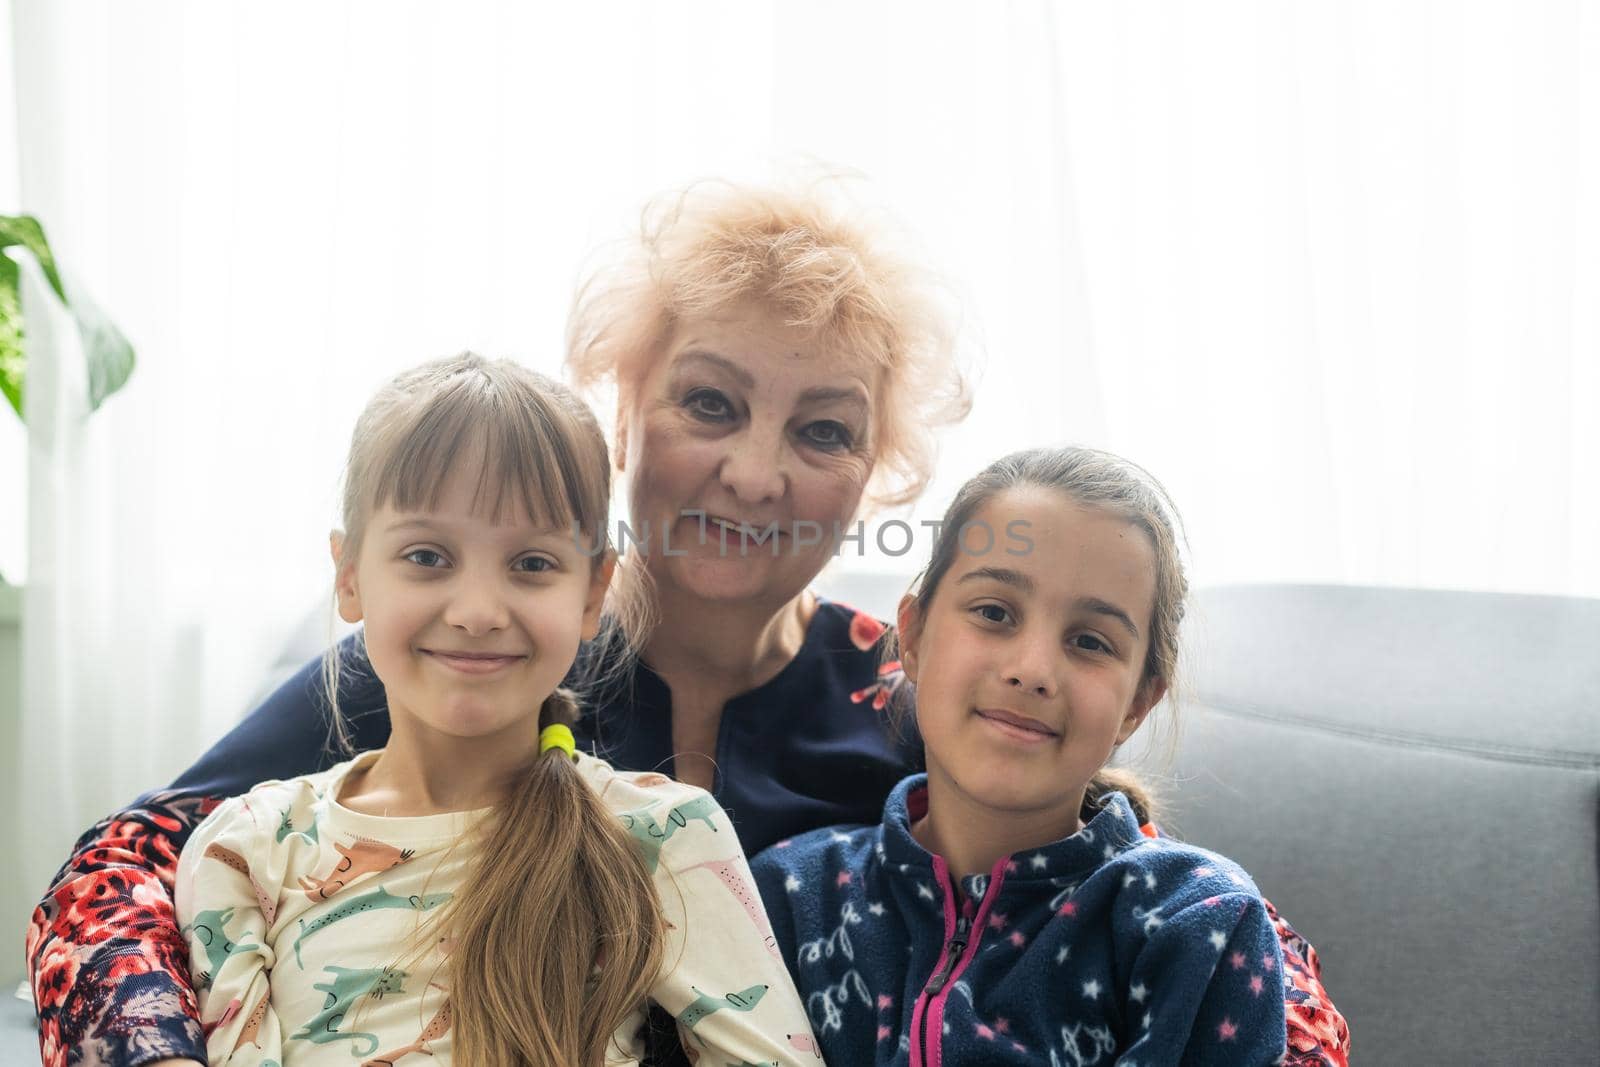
pixel 816 394
pixel 722 363
pixel 822 394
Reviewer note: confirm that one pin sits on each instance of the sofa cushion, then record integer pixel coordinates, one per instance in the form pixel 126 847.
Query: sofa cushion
pixel 1413 777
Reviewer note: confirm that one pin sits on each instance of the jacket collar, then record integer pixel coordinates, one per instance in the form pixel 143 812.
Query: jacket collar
pixel 1107 831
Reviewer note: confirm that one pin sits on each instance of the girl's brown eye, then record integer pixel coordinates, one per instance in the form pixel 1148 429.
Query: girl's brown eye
pixel 1091 643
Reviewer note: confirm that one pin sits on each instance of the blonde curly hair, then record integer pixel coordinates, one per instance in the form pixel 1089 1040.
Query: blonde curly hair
pixel 821 261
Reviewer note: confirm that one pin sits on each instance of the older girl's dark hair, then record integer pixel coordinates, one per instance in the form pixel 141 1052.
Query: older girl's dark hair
pixel 1107 482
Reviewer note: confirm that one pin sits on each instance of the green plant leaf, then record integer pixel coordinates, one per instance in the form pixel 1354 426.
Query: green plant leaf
pixel 13 362
pixel 108 353
pixel 25 230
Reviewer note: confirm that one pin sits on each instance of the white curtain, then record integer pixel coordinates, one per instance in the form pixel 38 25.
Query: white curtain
pixel 1329 270
pixel 1342 268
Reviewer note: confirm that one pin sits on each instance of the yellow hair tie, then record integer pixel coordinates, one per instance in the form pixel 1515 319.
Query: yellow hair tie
pixel 557 735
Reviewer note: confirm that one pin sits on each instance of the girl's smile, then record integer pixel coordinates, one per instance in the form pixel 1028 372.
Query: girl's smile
pixel 1019 728
pixel 472 662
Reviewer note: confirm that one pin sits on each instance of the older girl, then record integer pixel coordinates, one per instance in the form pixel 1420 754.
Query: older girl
pixel 476 890
pixel 1008 909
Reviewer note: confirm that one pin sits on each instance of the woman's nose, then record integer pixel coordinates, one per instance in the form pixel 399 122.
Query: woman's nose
pixel 754 467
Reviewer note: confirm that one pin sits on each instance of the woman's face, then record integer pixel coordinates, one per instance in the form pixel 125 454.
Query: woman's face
pixel 749 442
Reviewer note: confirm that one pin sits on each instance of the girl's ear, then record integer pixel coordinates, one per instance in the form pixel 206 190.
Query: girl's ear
pixel 596 598
pixel 1149 695
pixel 908 621
pixel 344 580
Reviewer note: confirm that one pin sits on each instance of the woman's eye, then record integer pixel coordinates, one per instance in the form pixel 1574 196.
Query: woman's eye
pixel 533 565
pixel 425 557
pixel 829 434
pixel 708 404
pixel 993 613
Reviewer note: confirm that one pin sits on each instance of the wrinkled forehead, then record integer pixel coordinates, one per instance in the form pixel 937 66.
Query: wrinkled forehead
pixel 755 336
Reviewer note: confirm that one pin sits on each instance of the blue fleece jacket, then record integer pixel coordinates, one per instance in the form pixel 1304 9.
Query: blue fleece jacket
pixel 1108 947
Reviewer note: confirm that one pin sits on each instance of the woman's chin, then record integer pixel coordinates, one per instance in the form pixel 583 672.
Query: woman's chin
pixel 732 579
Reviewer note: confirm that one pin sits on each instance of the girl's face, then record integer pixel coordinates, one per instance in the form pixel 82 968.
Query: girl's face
pixel 752 423
pixel 470 623
pixel 1028 666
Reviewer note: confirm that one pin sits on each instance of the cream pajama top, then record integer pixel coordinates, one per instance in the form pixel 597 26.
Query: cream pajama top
pixel 308 925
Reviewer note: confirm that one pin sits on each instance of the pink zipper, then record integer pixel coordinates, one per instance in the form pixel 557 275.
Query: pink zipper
pixel 960 947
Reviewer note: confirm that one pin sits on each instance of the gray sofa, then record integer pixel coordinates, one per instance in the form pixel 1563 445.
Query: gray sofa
pixel 1413 777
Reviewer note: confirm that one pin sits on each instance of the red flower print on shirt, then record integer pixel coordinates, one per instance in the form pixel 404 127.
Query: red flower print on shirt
pixel 865 631
pixel 890 677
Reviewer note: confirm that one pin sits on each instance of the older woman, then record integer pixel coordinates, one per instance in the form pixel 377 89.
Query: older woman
pixel 777 368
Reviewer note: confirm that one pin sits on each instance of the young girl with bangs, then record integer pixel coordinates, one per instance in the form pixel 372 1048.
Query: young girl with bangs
pixel 1015 906
pixel 476 890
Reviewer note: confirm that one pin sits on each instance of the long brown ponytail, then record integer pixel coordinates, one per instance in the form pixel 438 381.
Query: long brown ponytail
pixel 559 935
